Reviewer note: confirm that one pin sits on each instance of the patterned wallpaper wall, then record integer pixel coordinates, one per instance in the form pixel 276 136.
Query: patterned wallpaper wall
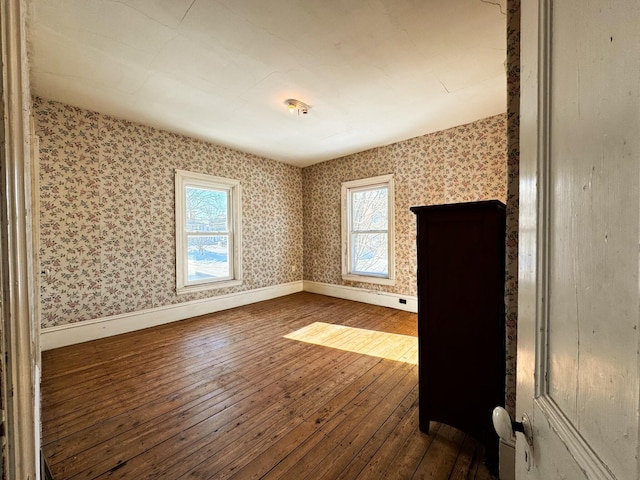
pixel 513 196
pixel 464 163
pixel 107 214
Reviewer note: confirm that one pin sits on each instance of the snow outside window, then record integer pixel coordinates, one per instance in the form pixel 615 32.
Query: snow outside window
pixel 208 232
pixel 368 230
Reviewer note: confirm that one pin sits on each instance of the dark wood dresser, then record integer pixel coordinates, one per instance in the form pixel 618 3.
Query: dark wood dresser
pixel 461 331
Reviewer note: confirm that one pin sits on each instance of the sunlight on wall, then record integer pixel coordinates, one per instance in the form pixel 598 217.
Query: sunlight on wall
pixel 392 346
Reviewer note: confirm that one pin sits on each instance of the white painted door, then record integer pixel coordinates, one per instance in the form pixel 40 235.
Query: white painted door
pixel 579 305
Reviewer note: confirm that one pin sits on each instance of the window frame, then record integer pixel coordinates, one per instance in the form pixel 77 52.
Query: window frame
pixel 183 180
pixel 348 188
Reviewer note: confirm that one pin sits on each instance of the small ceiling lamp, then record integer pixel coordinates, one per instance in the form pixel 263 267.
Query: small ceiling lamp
pixel 296 106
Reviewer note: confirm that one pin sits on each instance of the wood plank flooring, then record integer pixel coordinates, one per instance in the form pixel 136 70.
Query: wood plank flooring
pixel 300 387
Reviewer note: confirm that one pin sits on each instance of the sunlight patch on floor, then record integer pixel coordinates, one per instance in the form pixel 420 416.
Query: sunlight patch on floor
pixel 392 346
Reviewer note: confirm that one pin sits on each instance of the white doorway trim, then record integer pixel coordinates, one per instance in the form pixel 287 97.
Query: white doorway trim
pixel 20 342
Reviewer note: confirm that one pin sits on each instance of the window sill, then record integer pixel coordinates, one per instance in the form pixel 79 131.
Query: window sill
pixel 207 286
pixel 366 279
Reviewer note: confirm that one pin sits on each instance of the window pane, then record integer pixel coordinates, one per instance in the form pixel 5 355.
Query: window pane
pixel 369 253
pixel 207 257
pixel 206 210
pixel 369 209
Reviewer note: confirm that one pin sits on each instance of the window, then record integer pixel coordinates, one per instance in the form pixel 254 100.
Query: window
pixel 367 230
pixel 208 234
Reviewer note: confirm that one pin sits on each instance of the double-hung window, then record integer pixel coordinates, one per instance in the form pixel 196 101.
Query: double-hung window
pixel 208 232
pixel 368 230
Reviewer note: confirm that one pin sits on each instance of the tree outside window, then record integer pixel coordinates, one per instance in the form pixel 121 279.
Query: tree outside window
pixel 368 247
pixel 207 231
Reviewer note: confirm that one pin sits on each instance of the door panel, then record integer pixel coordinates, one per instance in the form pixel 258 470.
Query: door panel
pixel 578 371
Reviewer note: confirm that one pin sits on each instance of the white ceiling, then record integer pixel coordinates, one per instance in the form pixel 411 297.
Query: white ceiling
pixel 373 71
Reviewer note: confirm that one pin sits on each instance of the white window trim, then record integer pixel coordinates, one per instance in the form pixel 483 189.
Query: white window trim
pixel 183 180
pixel 382 180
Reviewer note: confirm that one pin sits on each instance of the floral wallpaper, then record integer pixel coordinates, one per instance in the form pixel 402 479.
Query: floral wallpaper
pixel 107 214
pixel 462 164
pixel 513 189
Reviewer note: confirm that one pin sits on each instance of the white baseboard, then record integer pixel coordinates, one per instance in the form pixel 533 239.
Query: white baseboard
pixel 70 334
pixel 383 299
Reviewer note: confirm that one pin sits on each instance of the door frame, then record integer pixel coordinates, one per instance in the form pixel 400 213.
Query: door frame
pixel 20 330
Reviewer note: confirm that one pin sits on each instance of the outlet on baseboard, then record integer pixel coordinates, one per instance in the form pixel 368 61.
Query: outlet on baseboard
pixel 402 300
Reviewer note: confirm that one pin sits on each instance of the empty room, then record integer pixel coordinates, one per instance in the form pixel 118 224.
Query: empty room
pixel 228 266
pixel 309 240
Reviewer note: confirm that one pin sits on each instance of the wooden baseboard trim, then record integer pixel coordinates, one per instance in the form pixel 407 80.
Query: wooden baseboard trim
pixel 374 297
pixel 70 334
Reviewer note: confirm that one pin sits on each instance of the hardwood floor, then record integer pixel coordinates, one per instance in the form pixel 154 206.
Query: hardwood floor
pixel 303 386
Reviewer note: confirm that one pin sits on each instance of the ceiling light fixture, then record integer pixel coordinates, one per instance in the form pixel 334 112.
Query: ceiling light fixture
pixel 297 106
